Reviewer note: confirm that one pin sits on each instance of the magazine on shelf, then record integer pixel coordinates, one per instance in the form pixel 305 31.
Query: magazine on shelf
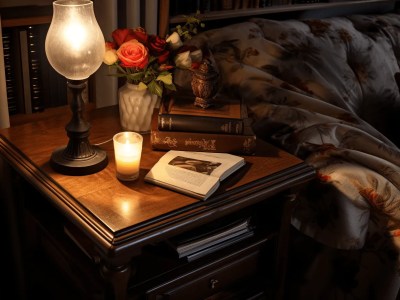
pixel 207 240
pixel 197 174
pixel 219 246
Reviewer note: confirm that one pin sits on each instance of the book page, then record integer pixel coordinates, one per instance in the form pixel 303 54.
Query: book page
pixel 229 163
pixel 192 172
pixel 181 179
pixel 185 177
pixel 219 165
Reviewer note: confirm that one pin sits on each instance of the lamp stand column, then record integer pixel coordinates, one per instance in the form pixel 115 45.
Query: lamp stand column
pixel 78 157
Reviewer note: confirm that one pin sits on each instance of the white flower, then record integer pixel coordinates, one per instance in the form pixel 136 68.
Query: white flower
pixel 196 56
pixel 183 60
pixel 110 57
pixel 174 40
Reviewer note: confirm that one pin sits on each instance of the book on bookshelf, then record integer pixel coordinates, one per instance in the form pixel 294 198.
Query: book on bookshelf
pixel 264 3
pixel 197 243
pixel 226 4
pixel 177 7
pixel 32 84
pixel 195 174
pixel 178 113
pixel 14 105
pixel 53 85
pixel 4 106
pixel 25 63
pixel 244 143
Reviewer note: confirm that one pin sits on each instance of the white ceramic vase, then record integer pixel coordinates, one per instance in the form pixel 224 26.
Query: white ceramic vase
pixel 136 107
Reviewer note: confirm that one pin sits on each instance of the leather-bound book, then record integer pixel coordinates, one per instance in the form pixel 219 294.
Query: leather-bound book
pixel 244 143
pixel 226 115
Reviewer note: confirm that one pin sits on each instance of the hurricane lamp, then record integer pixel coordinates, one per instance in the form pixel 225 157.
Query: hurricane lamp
pixel 75 48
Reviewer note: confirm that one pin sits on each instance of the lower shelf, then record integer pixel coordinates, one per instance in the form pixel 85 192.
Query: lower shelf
pixel 58 267
pixel 245 268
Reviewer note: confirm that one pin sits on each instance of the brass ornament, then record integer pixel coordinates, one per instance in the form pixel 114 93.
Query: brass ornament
pixel 205 84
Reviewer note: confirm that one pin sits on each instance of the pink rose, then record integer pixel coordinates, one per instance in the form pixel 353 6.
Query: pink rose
pixel 133 54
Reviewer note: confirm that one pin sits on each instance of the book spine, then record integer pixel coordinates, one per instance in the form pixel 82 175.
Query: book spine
pixel 199 124
pixel 203 142
pixel 23 39
pixel 9 67
pixel 35 69
pixel 227 4
pixel 54 85
pixel 4 108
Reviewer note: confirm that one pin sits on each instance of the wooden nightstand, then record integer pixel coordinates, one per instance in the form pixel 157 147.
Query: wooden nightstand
pixel 102 238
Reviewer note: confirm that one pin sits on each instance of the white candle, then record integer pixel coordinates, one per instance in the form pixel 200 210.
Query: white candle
pixel 128 151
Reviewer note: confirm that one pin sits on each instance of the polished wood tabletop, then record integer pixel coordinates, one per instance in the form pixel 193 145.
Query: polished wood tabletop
pixel 122 214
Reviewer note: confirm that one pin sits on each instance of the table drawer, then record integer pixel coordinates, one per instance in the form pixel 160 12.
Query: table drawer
pixel 210 279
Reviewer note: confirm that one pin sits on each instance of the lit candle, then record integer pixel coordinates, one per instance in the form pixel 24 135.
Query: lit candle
pixel 128 151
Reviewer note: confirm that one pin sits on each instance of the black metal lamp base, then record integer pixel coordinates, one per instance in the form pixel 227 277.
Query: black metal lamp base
pixel 78 166
pixel 79 157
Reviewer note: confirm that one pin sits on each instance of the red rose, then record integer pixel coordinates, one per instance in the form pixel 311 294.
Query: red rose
pixel 157 48
pixel 165 67
pixel 140 34
pixel 163 57
pixel 133 54
pixel 196 65
pixel 121 36
pixel 110 45
pixel 157 45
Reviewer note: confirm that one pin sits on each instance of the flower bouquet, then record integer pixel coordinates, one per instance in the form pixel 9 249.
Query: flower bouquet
pixel 147 61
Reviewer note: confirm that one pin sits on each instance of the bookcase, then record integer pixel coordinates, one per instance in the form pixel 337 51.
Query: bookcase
pixel 31 84
pixel 221 12
pixel 19 15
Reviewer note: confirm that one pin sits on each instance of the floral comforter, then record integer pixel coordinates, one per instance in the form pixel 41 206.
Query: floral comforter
pixel 327 90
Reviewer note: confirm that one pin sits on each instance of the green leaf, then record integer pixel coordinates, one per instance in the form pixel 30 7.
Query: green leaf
pixel 117 75
pixel 155 88
pixel 151 59
pixel 165 78
pixel 142 86
pixel 135 76
pixel 170 87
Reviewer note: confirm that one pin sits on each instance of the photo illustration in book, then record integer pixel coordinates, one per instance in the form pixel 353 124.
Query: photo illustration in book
pixel 196 165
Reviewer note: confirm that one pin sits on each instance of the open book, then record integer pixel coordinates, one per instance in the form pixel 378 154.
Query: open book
pixel 197 174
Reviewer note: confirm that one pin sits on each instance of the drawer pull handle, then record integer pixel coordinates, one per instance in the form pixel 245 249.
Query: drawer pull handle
pixel 213 283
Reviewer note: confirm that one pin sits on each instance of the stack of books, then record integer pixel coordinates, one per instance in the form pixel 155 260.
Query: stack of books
pixel 196 244
pixel 180 125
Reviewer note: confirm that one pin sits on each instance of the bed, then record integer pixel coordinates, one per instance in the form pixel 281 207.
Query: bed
pixel 327 90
